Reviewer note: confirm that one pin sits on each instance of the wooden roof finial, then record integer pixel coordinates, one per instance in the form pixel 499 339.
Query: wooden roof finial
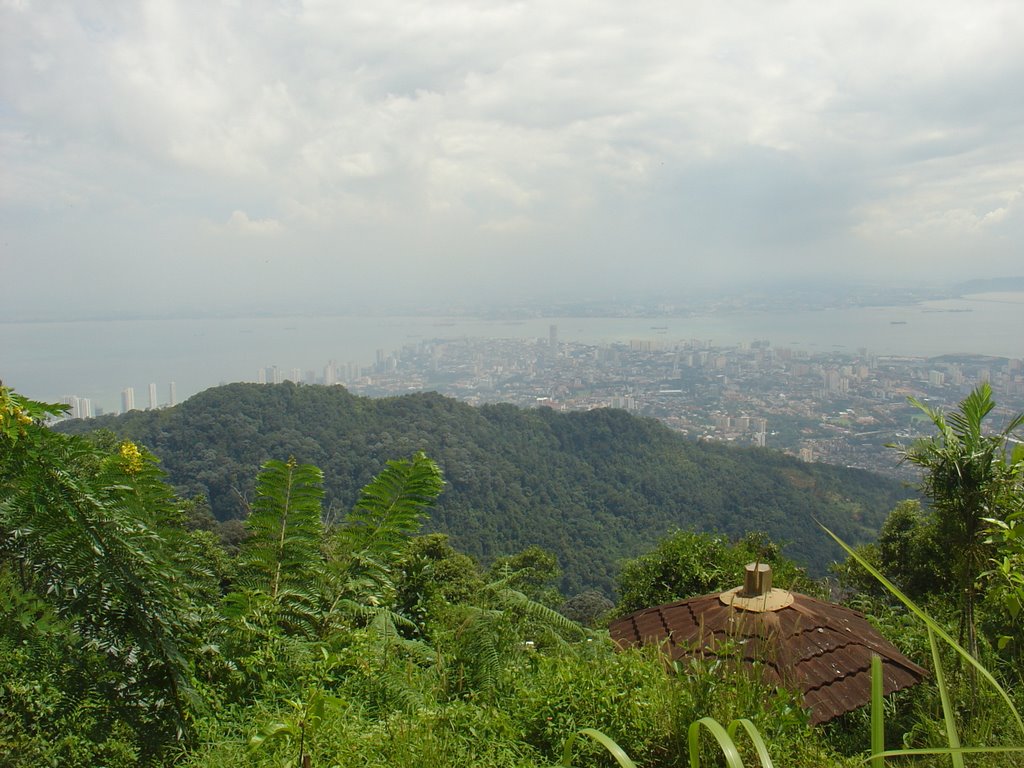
pixel 757 580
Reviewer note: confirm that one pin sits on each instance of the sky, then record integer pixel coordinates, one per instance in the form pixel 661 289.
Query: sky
pixel 217 156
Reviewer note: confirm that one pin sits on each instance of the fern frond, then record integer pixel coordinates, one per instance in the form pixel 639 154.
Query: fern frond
pixel 393 505
pixel 284 551
pixel 514 600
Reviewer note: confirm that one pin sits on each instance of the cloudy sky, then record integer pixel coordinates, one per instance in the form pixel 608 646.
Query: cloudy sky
pixel 163 155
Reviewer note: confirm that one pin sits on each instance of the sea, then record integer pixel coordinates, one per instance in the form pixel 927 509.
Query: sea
pixel 100 358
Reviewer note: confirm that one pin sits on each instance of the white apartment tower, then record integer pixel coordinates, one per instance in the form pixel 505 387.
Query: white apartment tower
pixel 81 407
pixel 127 399
pixel 172 399
pixel 152 396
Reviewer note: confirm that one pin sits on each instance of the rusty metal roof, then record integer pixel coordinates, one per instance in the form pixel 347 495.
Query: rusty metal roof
pixel 818 648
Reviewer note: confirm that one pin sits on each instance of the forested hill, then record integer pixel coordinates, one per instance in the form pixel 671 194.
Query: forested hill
pixel 593 487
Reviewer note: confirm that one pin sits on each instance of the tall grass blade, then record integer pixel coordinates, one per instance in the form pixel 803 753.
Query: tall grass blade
pixel 947 709
pixel 877 713
pixel 728 746
pixel 607 742
pixel 755 737
pixel 930 622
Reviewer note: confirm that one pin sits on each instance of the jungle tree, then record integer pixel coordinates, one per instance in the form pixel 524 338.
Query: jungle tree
pixel 967 476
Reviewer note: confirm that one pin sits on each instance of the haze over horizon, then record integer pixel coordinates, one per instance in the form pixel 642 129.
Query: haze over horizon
pixel 178 156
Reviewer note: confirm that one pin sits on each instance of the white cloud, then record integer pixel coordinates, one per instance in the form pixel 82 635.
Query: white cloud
pixel 749 132
pixel 241 223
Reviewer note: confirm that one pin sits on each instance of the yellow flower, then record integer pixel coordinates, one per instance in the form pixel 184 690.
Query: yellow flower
pixel 132 457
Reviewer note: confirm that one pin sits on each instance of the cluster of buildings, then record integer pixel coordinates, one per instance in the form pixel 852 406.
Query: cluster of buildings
pixel 838 407
pixel 82 407
pixel 841 407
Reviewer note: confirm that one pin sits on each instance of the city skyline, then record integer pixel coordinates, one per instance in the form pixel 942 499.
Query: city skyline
pixel 83 407
pixel 841 406
pixel 49 360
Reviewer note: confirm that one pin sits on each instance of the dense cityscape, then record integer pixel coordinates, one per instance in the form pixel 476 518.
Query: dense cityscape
pixel 836 407
pixel 839 406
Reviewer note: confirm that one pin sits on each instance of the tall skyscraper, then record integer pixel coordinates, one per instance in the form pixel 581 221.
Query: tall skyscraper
pixel 81 407
pixel 553 336
pixel 152 396
pixel 127 399
pixel 172 395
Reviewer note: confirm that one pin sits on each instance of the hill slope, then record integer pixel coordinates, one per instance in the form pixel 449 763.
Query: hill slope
pixel 594 487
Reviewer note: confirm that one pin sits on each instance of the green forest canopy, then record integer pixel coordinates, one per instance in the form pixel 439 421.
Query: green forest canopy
pixel 594 487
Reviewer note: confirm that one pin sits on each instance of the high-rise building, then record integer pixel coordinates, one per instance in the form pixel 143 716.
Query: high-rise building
pixel 127 399
pixel 80 407
pixel 261 376
pixel 553 336
pixel 152 396
pixel 172 395
pixel 761 438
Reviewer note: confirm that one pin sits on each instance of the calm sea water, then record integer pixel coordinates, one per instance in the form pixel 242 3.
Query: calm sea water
pixel 98 359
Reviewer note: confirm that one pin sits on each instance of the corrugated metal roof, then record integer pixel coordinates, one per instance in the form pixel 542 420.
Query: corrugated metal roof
pixel 818 648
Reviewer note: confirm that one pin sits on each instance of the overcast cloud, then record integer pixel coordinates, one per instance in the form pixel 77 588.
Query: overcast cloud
pixel 220 155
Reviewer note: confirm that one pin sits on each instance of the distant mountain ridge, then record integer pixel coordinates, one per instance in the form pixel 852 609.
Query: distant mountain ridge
pixel 595 487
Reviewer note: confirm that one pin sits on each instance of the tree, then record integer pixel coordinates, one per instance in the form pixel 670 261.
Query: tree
pixel 489 635
pixel 966 478
pixel 84 529
pixel 587 608
pixel 686 564
pixel 1006 576
pixel 911 552
pixel 534 571
pixel 431 575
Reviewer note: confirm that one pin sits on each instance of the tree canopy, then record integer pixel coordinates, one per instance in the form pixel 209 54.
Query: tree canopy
pixel 132 635
pixel 593 487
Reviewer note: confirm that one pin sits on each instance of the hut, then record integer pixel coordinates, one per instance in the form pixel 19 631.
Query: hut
pixel 817 648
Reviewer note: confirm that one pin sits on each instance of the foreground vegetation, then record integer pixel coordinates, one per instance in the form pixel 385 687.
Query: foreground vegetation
pixel 132 634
